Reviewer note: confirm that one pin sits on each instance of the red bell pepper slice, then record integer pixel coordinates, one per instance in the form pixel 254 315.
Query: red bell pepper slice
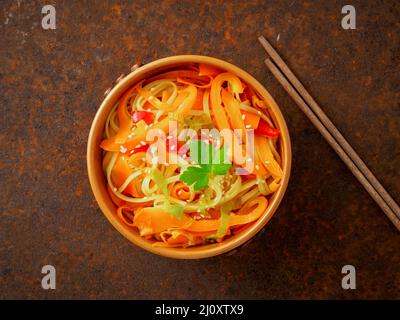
pixel 146 116
pixel 141 148
pixel 264 129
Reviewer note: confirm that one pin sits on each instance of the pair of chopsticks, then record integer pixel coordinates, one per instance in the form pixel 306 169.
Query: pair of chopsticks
pixel 320 120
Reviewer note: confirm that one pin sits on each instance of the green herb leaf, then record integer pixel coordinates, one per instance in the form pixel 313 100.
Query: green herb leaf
pixel 210 161
pixel 197 176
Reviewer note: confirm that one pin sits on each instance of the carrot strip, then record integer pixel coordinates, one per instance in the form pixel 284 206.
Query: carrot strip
pixel 219 114
pixel 180 191
pixel 155 220
pixel 123 169
pixel 208 70
pixel 190 77
pixel 251 120
pixel 198 103
pixel 232 108
pixel 185 100
pixel 267 158
pixel 122 215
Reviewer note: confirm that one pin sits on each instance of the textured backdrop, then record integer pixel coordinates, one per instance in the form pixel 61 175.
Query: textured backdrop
pixel 52 82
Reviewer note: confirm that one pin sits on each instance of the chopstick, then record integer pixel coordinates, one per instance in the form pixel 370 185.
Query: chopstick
pixel 332 135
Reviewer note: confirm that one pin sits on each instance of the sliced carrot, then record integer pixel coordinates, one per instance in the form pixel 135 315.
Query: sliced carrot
pixel 198 103
pixel 121 172
pixel 251 120
pixel 232 108
pixel 155 220
pixel 208 70
pixel 185 100
pixel 190 77
pixel 180 191
pixel 218 111
pixel 266 157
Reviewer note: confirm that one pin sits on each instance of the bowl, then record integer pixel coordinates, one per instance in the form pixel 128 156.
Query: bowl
pixel 98 181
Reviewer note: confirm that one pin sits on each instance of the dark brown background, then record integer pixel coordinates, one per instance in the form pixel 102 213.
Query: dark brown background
pixel 53 81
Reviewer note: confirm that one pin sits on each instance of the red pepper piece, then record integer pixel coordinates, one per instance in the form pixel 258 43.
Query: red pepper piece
pixel 264 129
pixel 141 148
pixel 146 116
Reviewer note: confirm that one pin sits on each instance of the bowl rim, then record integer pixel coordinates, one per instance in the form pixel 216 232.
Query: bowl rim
pixel 93 149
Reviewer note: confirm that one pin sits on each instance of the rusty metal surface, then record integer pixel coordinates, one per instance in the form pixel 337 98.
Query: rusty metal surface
pixel 52 82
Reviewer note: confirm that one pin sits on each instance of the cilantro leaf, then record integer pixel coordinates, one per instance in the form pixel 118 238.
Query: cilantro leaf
pixel 209 160
pixel 197 176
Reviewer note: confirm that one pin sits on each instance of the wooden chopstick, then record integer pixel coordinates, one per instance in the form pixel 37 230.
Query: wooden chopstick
pixel 330 133
pixel 329 125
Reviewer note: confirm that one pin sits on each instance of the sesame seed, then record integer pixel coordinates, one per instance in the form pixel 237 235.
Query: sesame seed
pixel 267 162
pixel 248 126
pixel 243 116
pixel 122 149
pixel 142 143
pixel 249 160
pixel 257 167
pixel 172 147
pixel 115 189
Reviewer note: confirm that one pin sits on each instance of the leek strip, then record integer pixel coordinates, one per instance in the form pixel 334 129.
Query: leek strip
pixel 249 195
pixel 206 105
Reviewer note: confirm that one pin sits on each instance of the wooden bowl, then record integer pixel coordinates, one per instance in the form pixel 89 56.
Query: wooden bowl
pixel 98 180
